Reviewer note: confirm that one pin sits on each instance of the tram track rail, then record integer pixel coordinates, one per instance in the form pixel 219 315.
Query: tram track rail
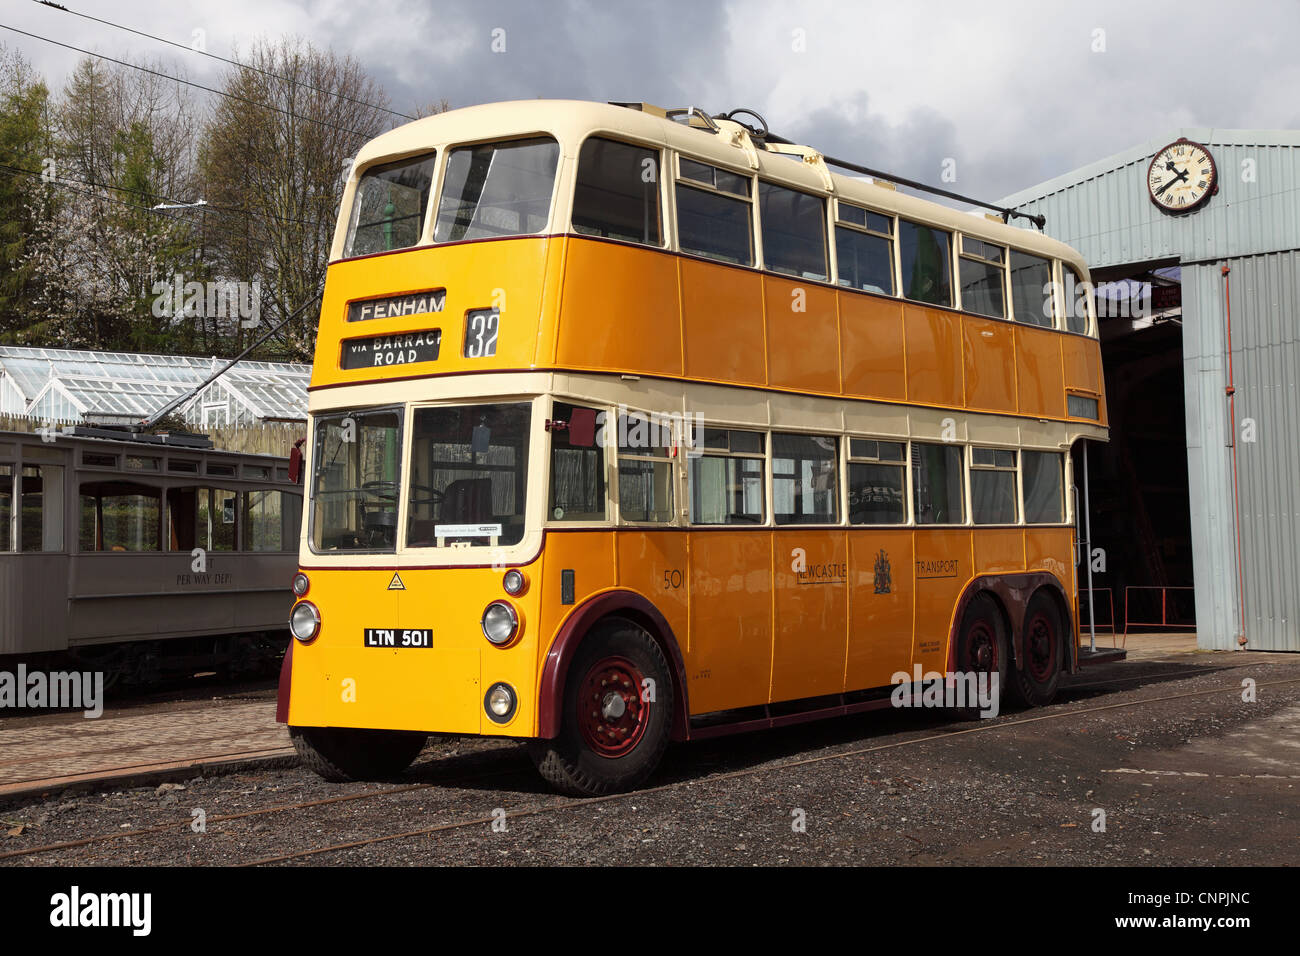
pixel 559 803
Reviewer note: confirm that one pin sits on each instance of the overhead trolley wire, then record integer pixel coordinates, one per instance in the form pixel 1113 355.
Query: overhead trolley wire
pixel 247 66
pixel 177 79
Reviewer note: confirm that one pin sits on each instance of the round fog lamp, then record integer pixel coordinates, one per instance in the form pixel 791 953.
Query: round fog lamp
pixel 500 622
pixel 301 584
pixel 514 582
pixel 304 622
pixel 500 702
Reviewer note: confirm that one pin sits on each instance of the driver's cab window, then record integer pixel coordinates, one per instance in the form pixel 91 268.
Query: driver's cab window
pixel 469 476
pixel 577 479
pixel 356 461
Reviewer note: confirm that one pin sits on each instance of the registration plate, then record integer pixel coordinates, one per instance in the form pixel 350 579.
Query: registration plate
pixel 399 637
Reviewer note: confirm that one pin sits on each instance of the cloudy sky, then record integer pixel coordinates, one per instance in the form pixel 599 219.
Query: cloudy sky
pixel 1013 93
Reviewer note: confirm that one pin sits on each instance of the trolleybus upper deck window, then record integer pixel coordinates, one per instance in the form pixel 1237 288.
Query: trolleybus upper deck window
pixel 1078 296
pixel 1031 289
pixel 357 461
pixel 794 231
pixel 469 475
pixel 864 249
pixel 714 216
pixel 925 256
pixel 617 194
pixel 983 277
pixel 497 189
pixel 389 206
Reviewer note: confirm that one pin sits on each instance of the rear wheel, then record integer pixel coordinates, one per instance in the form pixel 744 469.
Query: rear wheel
pixel 618 707
pixel 1038 677
pixel 981 651
pixel 344 753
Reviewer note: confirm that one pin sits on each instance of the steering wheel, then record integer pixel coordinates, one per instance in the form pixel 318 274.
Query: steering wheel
pixel 435 496
pixel 388 494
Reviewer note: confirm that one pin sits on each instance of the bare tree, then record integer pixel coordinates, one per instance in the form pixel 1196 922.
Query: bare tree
pixel 277 147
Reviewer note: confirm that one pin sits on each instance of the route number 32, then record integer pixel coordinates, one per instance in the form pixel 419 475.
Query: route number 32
pixel 481 333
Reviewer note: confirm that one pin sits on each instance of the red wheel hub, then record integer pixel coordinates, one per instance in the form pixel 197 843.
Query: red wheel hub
pixel 981 649
pixel 611 714
pixel 1040 648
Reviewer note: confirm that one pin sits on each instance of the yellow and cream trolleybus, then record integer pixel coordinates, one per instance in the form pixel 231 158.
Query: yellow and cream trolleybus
pixel 632 425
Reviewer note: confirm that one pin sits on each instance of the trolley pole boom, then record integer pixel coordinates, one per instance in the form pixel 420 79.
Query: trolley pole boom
pixel 197 389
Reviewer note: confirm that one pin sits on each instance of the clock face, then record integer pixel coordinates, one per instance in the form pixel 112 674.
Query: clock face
pixel 1182 177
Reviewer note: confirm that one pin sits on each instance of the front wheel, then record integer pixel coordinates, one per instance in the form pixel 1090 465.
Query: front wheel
pixel 343 753
pixel 618 707
pixel 1037 679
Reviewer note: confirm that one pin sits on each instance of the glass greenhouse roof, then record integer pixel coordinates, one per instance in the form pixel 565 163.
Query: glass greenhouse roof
pixel 127 384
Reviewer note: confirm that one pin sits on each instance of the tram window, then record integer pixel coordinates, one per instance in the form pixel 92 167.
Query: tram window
pixel 983 270
pixel 1078 300
pixel 715 222
pixel 577 471
pixel 216 519
pixel 41 500
pixel 357 460
pixel 6 507
pixel 794 231
pixel 497 189
pixel 141 463
pixel 865 256
pixel 268 524
pixel 182 519
pixel 120 516
pixel 1031 289
pixel 804 489
pixel 469 475
pixel 926 259
pixel 617 194
pixel 993 486
pixel 937 484
pixel 876 482
pixel 389 206
pixel 645 472
pixel 1043 477
pixel 726 478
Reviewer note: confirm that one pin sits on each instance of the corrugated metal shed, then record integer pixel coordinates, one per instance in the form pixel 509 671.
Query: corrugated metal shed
pixel 1253 226
pixel 125 387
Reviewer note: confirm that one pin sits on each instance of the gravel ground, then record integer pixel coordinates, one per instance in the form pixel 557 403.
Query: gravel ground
pixel 1207 780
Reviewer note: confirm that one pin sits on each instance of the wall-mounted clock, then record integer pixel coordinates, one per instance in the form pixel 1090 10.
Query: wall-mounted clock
pixel 1182 177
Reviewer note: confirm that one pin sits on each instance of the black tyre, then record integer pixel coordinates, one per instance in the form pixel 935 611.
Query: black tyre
pixel 343 753
pixel 1038 676
pixel 982 650
pixel 615 726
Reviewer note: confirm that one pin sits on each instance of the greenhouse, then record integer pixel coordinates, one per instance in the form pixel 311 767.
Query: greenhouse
pixel 84 387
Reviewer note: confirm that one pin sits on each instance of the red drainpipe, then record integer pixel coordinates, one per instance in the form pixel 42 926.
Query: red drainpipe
pixel 1231 392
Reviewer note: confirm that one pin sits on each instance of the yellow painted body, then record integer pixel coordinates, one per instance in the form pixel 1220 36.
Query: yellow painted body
pixel 750 630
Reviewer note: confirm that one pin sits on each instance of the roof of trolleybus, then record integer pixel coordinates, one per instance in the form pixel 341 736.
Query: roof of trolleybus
pixel 572 121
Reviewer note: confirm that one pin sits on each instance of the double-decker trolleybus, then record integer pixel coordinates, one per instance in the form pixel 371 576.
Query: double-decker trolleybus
pixel 631 425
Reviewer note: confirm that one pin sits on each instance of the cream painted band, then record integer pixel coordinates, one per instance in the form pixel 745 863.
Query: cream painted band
pixel 717 405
